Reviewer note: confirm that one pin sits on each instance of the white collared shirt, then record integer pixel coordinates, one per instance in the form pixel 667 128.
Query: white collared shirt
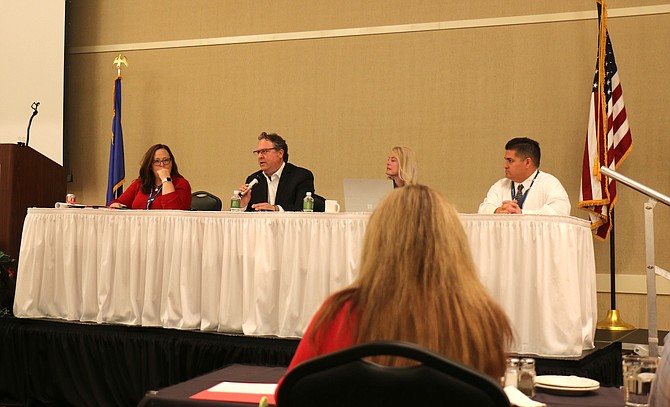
pixel 547 196
pixel 273 184
pixel 527 183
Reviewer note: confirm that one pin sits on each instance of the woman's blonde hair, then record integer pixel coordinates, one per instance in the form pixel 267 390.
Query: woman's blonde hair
pixel 406 164
pixel 418 283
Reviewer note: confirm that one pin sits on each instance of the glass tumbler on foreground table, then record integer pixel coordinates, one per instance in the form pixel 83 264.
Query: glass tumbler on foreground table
pixel 638 375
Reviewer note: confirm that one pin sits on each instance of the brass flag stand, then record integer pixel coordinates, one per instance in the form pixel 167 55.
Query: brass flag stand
pixel 613 321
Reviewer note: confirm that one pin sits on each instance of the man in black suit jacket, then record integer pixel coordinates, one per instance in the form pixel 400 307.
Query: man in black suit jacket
pixel 281 186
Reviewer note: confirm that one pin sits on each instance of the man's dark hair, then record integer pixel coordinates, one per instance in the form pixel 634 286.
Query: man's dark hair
pixel 277 142
pixel 525 147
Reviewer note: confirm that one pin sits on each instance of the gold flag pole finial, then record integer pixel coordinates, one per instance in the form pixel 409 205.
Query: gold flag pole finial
pixel 118 61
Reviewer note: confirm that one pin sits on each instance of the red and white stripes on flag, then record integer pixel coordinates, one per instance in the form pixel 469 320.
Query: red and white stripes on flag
pixel 608 138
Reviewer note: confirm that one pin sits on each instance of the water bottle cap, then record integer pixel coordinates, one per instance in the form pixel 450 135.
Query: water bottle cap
pixel 309 194
pixel 236 192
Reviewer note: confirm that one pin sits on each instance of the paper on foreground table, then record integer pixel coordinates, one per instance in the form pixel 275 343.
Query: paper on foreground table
pixel 239 392
pixel 516 398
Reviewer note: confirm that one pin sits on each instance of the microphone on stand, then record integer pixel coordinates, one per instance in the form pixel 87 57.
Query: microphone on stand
pixel 251 185
pixel 30 122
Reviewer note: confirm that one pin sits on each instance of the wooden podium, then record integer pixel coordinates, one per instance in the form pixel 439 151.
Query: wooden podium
pixel 27 179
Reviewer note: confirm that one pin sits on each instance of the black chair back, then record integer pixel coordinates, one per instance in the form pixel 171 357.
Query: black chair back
pixel 343 378
pixel 204 201
pixel 319 203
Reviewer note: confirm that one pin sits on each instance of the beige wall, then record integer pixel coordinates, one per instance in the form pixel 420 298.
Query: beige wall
pixel 454 95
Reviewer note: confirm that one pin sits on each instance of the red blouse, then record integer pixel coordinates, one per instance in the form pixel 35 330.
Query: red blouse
pixel 134 198
pixel 334 336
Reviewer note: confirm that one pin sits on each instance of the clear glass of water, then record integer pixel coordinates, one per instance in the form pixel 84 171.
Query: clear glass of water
pixel 638 375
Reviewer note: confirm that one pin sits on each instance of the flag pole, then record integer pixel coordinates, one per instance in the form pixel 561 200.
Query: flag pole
pixel 613 321
pixel 608 143
pixel 117 173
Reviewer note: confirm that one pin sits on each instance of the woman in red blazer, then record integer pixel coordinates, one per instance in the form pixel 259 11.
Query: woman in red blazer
pixel 159 186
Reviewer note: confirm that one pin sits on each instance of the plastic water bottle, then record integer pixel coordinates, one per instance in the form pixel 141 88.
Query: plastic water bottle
pixel 235 201
pixel 308 203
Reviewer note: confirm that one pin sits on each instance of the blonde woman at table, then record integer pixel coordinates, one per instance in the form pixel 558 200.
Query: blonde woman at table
pixel 159 186
pixel 417 283
pixel 401 166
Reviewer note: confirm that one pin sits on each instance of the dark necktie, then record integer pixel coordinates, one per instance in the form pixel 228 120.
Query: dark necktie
pixel 519 193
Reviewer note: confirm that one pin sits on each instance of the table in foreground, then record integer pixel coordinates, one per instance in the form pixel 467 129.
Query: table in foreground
pixel 267 273
pixel 178 395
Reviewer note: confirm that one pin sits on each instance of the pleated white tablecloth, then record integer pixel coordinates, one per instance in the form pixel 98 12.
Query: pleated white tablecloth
pixel 541 269
pixel 267 273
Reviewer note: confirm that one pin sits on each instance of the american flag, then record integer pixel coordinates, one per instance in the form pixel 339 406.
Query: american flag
pixel 608 138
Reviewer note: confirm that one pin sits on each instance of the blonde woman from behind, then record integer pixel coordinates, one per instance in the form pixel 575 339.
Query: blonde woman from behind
pixel 417 283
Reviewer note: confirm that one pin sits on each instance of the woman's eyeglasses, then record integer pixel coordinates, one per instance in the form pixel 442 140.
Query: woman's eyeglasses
pixel 164 161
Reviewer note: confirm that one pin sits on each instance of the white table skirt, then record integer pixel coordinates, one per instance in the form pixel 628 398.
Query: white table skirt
pixel 541 269
pixel 267 273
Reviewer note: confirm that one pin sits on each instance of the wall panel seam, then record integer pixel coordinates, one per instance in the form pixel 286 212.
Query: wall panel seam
pixel 377 30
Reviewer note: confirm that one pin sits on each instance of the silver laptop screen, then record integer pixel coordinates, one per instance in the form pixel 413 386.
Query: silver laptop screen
pixel 363 195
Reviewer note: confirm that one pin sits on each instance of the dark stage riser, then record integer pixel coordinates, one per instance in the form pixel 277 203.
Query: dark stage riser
pixel 603 365
pixel 56 363
pixel 71 364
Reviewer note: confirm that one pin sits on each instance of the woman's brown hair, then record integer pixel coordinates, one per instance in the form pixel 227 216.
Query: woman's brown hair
pixel 147 177
pixel 418 283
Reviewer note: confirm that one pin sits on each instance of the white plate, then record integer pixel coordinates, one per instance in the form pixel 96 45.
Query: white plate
pixel 546 386
pixel 567 391
pixel 567 382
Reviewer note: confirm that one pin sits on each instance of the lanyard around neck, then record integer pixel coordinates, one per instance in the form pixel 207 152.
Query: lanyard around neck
pixel 523 197
pixel 153 196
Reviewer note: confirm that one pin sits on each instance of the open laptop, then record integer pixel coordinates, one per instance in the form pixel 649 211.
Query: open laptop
pixel 363 195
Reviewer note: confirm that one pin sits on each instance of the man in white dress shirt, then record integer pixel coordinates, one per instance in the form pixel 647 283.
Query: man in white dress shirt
pixel 525 189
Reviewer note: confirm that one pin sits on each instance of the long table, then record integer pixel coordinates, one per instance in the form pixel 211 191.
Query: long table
pixel 179 394
pixel 267 273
